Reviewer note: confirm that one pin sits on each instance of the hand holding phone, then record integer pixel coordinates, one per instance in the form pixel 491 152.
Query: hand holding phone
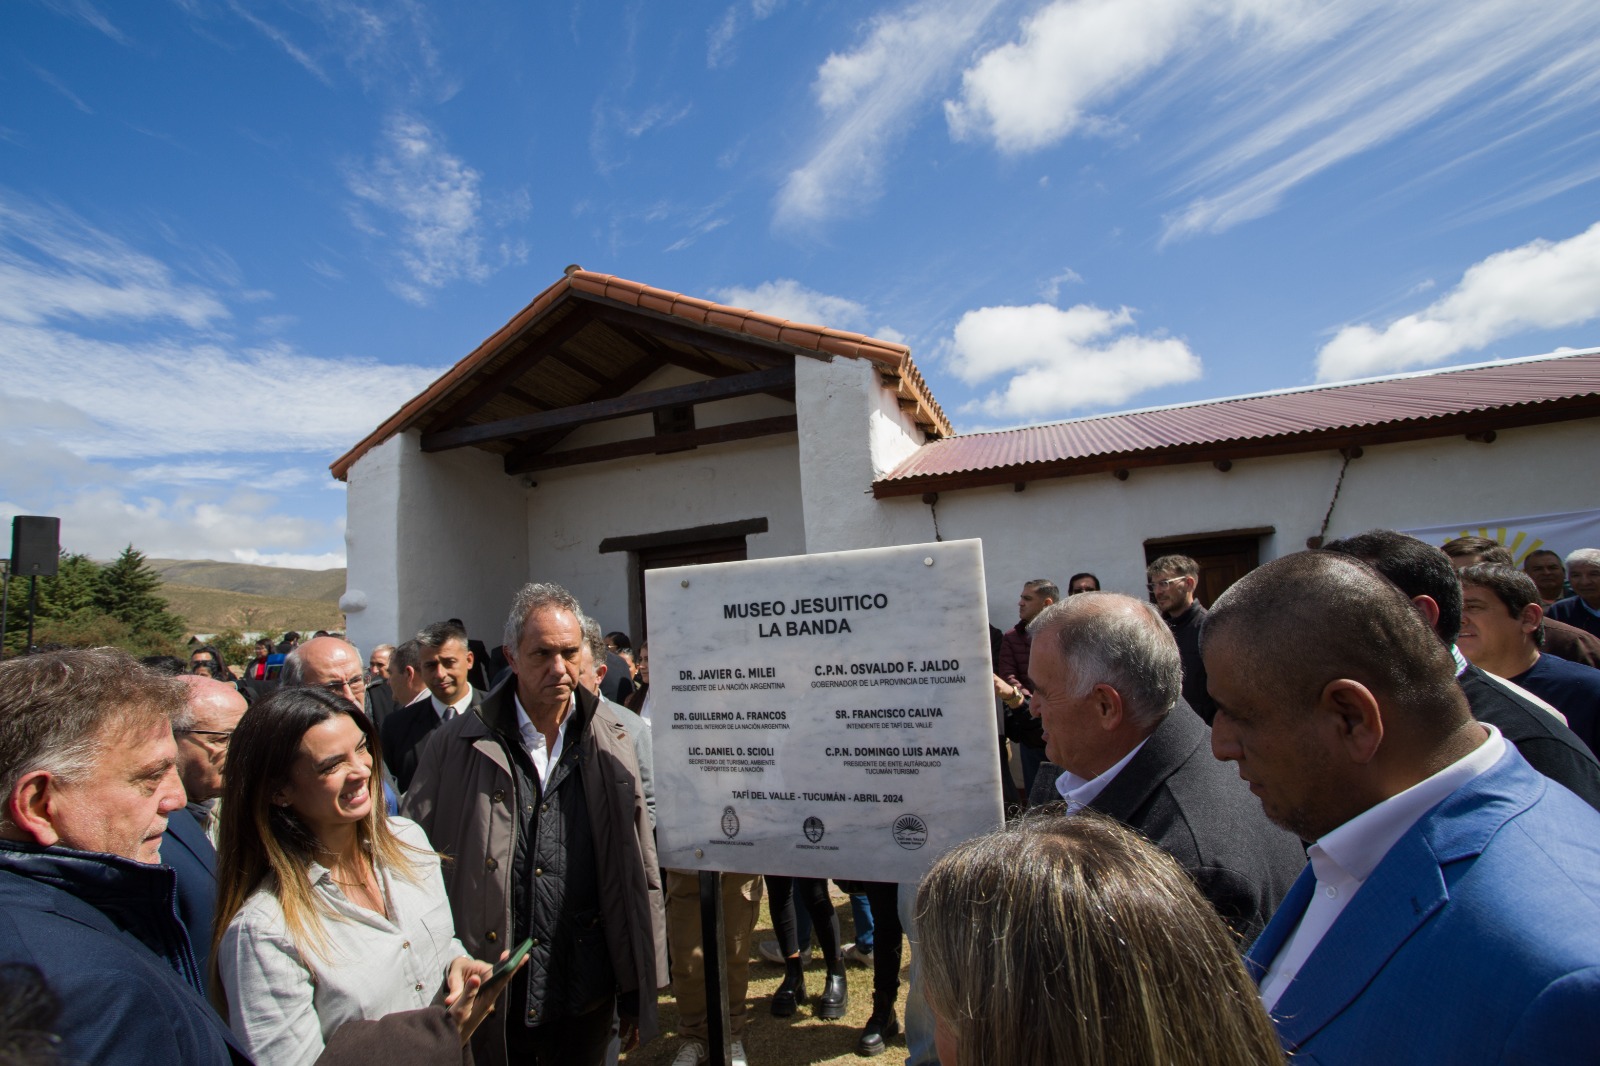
pixel 472 1009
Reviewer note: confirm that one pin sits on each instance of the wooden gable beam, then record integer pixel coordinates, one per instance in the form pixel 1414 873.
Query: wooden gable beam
pixel 622 449
pixel 617 407
pixel 620 385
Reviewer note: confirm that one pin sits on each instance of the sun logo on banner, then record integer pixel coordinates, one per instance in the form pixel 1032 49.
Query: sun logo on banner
pixel 1519 542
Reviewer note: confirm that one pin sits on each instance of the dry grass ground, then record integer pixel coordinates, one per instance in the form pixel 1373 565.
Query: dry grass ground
pixel 802 1039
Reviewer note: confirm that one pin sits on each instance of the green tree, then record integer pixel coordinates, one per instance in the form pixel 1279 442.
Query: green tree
pixel 66 603
pixel 128 592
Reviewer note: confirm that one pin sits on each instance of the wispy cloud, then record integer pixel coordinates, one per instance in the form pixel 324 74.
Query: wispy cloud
pixel 282 39
pixel 869 97
pixel 1055 360
pixel 433 199
pixel 61 87
pixel 386 45
pixel 54 266
pixel 1276 93
pixel 88 14
pixel 721 38
pixel 1539 285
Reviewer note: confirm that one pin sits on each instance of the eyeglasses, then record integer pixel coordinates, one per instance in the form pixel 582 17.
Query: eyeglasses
pixel 220 734
pixel 354 684
pixel 1157 586
pixel 209 664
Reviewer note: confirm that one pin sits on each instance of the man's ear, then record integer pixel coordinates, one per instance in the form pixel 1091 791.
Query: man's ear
pixel 1108 705
pixel 1428 607
pixel 469 658
pixel 1530 618
pixel 29 806
pixel 600 669
pixel 1349 712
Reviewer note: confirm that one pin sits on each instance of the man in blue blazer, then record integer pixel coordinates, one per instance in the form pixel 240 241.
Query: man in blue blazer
pixel 1451 908
pixel 202 730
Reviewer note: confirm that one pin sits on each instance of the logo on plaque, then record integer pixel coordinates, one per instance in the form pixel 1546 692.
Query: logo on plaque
pixel 910 832
pixel 813 828
pixel 730 823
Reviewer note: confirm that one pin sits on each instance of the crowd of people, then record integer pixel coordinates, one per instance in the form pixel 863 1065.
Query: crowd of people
pixel 1349 814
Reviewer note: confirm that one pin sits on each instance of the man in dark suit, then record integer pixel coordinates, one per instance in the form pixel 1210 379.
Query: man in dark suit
pixel 445 664
pixel 1426 575
pixel 478 673
pixel 202 730
pixel 1107 676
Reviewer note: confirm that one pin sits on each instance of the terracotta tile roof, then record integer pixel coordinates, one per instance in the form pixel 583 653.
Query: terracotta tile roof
pixel 893 360
pixel 1405 407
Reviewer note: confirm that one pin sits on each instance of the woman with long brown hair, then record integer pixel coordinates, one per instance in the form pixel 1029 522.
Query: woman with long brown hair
pixel 1073 939
pixel 328 910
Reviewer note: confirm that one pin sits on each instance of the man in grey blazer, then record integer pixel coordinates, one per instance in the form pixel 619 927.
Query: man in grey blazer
pixel 1107 677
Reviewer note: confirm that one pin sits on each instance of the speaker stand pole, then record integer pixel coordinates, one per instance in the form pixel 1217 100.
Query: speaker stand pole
pixel 33 597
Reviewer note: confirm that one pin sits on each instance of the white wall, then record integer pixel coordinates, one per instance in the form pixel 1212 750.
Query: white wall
pixel 851 431
pixel 573 509
pixel 1056 527
pixel 371 546
pixel 433 536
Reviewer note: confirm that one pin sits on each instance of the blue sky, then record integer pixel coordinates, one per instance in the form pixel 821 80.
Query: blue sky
pixel 237 234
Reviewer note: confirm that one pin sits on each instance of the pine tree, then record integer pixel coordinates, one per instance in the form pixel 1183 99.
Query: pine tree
pixel 127 592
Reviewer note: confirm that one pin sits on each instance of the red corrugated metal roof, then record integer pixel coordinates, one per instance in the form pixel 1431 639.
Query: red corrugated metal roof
pixel 1470 399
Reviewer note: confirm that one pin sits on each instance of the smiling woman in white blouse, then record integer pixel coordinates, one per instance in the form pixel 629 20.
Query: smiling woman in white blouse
pixel 328 910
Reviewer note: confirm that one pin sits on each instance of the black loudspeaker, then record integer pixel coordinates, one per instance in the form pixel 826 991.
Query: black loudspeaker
pixel 35 546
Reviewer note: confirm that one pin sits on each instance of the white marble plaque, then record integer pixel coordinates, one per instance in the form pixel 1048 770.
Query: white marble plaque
pixel 823 715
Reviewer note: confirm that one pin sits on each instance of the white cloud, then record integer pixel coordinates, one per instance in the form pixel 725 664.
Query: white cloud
pixel 1539 285
pixel 433 196
pixel 1073 54
pixel 787 298
pixel 297 561
pixel 1273 93
pixel 128 439
pixel 871 96
pixel 1058 361
pixel 101 521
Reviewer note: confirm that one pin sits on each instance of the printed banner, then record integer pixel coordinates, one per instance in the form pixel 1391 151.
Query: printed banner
pixel 1560 533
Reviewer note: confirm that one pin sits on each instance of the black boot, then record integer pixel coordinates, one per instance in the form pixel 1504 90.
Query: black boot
pixel 835 998
pixel 792 991
pixel 880 1027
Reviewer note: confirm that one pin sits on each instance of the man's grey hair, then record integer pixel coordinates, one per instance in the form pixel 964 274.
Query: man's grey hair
pixel 1116 640
pixel 293 674
pixel 380 648
pixel 1586 556
pixel 60 711
pixel 538 596
pixel 407 656
pixel 438 634
pixel 596 640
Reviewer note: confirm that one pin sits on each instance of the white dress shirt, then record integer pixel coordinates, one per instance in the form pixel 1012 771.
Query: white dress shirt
pixel 285 1002
pixel 533 741
pixel 1080 793
pixel 447 711
pixel 1343 859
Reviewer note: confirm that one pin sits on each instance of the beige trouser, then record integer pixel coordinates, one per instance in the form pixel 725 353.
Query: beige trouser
pixel 741 899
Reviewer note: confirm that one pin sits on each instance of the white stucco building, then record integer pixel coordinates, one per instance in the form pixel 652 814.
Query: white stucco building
pixel 611 427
